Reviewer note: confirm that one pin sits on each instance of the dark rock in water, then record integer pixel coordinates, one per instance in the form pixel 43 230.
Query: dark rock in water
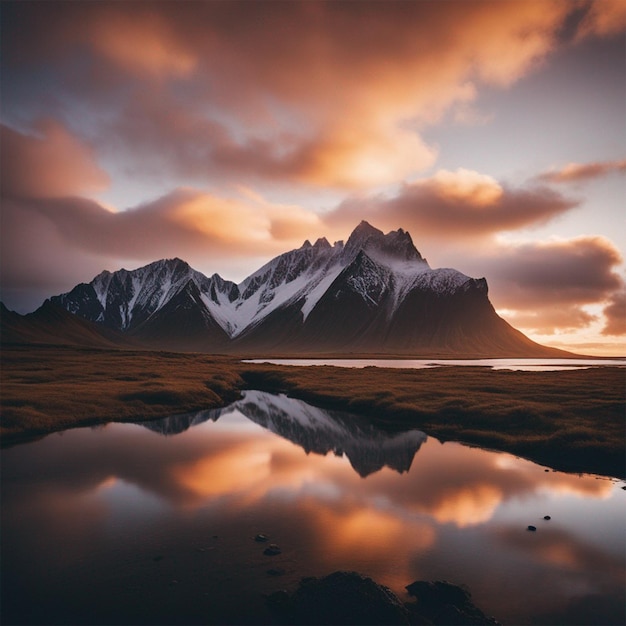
pixel 340 598
pixel 440 592
pixel 350 598
pixel 533 528
pixel 441 602
pixel 261 538
pixel 547 517
pixel 272 550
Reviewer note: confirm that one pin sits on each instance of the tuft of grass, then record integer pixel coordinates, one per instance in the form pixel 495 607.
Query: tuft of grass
pixel 78 387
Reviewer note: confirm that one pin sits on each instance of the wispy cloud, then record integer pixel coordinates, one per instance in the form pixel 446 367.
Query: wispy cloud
pixel 574 172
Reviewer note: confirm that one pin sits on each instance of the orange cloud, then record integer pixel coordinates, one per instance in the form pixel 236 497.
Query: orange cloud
pixel 188 223
pixel 357 155
pixel 469 506
pixel 604 18
pixel 574 172
pixel 573 271
pixel 345 153
pixel 362 528
pixel 331 94
pixel 147 47
pixel 457 205
pixel 615 314
pixel 363 536
pixel 50 163
pixel 549 319
pixel 51 236
pixel 232 472
pixel 546 286
pixel 464 185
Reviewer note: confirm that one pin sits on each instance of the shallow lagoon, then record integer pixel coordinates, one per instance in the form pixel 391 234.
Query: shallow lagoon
pixel 525 365
pixel 154 523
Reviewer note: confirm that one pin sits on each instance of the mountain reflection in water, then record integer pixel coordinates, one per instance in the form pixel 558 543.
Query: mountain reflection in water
pixel 121 525
pixel 314 429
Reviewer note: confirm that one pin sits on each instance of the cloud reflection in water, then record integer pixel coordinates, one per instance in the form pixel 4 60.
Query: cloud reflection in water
pixel 424 510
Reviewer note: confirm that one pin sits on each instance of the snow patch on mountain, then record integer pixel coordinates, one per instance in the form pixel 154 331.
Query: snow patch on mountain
pixel 315 292
pixel 293 276
pixel 100 285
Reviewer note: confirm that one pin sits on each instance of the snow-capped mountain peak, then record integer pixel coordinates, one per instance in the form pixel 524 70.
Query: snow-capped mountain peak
pixel 126 299
pixel 390 249
pixel 376 292
pixel 322 243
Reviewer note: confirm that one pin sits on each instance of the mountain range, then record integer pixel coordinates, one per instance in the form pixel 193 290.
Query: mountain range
pixel 374 294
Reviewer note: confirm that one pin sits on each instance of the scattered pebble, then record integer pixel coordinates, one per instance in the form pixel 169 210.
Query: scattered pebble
pixel 546 517
pixel 261 538
pixel 272 550
pixel 533 528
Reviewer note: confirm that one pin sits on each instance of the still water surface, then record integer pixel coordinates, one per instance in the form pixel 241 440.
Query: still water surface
pixel 155 523
pixel 526 365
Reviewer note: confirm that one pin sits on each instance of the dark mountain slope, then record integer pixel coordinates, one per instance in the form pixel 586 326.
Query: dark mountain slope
pixel 183 323
pixel 52 324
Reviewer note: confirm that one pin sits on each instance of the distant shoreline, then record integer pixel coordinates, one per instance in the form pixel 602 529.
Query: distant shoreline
pixel 515 364
pixel 571 420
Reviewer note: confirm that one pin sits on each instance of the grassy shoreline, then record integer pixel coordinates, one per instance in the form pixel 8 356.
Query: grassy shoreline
pixel 569 420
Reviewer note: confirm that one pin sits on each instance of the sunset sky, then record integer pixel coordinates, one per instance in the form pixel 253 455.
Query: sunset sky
pixel 225 133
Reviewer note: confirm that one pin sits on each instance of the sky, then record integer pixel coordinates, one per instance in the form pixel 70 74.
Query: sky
pixel 225 133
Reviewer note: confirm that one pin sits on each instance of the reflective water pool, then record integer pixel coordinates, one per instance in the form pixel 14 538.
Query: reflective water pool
pixel 155 523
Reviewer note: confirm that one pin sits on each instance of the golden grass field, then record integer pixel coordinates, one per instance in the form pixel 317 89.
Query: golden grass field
pixel 571 420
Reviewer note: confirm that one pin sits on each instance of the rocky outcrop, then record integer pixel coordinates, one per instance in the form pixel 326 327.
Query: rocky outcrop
pixel 349 598
pixel 441 602
pixel 340 598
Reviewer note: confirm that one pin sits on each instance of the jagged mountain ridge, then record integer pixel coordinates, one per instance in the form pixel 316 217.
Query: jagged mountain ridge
pixel 376 294
pixel 124 300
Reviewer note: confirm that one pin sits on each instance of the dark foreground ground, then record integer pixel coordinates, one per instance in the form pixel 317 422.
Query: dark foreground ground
pixel 570 420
